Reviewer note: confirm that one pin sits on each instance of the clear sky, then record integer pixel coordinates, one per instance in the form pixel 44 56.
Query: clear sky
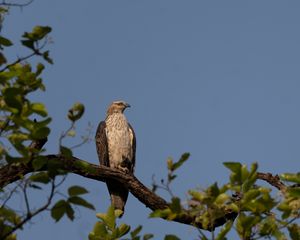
pixel 218 79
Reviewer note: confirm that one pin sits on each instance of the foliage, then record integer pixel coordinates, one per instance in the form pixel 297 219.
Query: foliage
pixel 25 125
pixel 24 128
pixel 256 208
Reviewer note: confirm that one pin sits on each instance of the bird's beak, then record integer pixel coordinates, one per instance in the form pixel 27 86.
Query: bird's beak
pixel 127 105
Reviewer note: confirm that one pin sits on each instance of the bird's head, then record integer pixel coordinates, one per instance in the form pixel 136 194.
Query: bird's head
pixel 117 107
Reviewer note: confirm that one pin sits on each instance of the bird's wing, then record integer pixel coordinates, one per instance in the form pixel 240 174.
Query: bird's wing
pixel 133 146
pixel 101 144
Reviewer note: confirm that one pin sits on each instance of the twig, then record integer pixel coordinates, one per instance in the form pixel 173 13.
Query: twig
pixel 64 134
pixel 4 3
pixel 31 215
pixel 85 139
pixel 26 198
pixel 36 51
pixel 10 195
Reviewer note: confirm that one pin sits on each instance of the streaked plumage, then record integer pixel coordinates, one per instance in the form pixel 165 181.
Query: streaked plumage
pixel 116 146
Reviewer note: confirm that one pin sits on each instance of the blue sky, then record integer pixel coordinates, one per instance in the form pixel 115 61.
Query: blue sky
pixel 218 79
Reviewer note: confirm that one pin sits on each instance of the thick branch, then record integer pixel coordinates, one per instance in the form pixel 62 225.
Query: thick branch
pixel 13 172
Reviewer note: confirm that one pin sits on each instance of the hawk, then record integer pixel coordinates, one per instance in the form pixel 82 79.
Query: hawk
pixel 116 144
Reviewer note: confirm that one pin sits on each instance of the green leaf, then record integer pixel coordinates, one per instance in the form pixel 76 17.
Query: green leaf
pixel 80 201
pixel 171 237
pixel 13 236
pixel 58 210
pixel 5 42
pixel 41 177
pixel 160 213
pixel 196 195
pixel 99 230
pixel 213 190
pixel 233 166
pixel 290 177
pixel 39 108
pixel 28 43
pixel 244 172
pixel 13 98
pixel 18 137
pixel 225 229
pixel 148 236
pixel 136 231
pixel 10 215
pixel 286 209
pixel 118 213
pixel 248 184
pixel 66 152
pixel 40 133
pixel 44 122
pixel 39 162
pixel 253 169
pixel 69 211
pixel 39 69
pixel 183 158
pixel 294 231
pixel 267 226
pixel 170 163
pixel 76 112
pixel 2 61
pixel 47 58
pixel 245 223
pixel 77 190
pixel 294 192
pixel 123 229
pixel 175 205
pixel 110 219
pixel 250 195
pixel 222 198
pixel 102 216
pixel 38 33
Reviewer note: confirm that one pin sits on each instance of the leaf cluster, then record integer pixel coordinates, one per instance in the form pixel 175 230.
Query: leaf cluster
pixel 18 119
pixel 107 228
pixel 65 207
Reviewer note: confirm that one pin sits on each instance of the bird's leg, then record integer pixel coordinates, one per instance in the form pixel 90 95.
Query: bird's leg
pixel 125 165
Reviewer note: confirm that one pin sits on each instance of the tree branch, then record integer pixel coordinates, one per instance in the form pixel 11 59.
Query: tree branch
pixel 8 4
pixel 272 180
pixel 30 214
pixel 13 172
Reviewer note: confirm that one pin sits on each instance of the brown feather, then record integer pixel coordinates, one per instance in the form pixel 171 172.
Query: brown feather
pixel 117 191
pixel 101 144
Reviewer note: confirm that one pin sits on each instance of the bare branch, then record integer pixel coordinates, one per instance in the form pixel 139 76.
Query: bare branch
pixel 30 215
pixel 272 180
pixel 26 197
pixel 13 4
pixel 11 192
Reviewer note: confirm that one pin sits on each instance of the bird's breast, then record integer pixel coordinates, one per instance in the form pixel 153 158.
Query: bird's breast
pixel 119 140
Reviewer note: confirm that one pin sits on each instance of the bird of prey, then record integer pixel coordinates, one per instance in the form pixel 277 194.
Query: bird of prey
pixel 116 144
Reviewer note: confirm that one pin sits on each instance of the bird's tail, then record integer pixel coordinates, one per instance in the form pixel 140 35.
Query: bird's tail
pixel 118 194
